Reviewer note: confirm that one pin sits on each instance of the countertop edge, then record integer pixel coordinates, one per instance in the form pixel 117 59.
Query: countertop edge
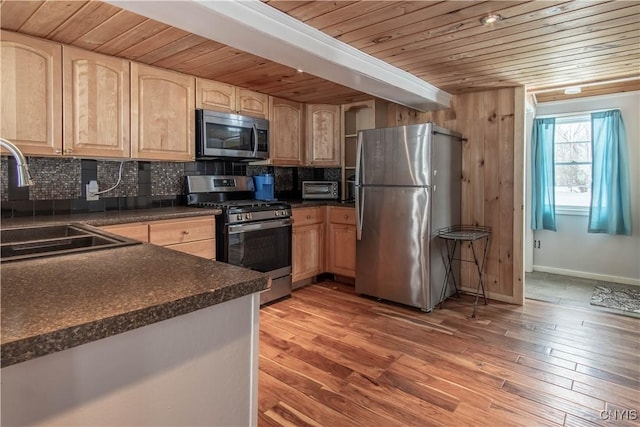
pixel 47 343
pixel 296 204
pixel 99 219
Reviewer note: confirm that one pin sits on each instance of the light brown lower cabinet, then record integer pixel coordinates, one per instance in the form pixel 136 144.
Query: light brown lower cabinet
pixel 341 248
pixel 323 246
pixel 136 231
pixel 195 236
pixel 307 243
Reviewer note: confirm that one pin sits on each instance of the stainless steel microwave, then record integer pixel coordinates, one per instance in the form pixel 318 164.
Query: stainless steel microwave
pixel 230 136
pixel 320 190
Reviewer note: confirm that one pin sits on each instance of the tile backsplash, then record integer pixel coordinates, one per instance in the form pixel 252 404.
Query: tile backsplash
pixel 60 183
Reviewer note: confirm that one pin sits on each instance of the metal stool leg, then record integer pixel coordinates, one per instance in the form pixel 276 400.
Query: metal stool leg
pixel 449 273
pixel 480 268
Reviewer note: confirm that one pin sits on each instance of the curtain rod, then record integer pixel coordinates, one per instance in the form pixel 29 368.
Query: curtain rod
pixel 574 113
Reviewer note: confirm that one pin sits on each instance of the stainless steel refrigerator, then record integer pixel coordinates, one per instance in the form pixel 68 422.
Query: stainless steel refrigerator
pixel 408 185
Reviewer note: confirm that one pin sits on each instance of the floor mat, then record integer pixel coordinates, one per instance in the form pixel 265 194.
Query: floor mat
pixel 617 298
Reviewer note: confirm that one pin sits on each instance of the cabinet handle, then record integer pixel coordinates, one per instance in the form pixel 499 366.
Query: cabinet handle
pixel 346 217
pixel 58 151
pixel 69 150
pixel 308 216
pixel 185 232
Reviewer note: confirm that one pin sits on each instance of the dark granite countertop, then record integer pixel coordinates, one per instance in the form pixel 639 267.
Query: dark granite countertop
pixel 54 303
pixel 51 304
pixel 111 217
pixel 299 203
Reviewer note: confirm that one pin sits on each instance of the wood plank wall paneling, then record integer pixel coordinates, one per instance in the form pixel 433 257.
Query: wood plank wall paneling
pixel 490 165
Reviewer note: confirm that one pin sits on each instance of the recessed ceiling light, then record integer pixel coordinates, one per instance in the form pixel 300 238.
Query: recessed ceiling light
pixel 491 18
pixel 572 90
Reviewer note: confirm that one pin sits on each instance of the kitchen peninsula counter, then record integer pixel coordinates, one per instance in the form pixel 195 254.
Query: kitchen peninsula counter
pixel 58 302
pixel 134 335
pixel 55 303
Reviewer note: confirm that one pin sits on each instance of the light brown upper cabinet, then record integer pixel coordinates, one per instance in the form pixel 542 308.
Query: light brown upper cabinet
pixel 323 135
pixel 250 103
pixel 96 104
pixel 212 95
pixel 285 132
pixel 162 114
pixel 31 87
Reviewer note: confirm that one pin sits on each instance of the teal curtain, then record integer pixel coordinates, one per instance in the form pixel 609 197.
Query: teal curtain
pixel 610 210
pixel 543 215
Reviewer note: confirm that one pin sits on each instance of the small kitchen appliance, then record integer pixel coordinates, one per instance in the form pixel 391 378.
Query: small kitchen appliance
pixel 327 190
pixel 230 136
pixel 250 233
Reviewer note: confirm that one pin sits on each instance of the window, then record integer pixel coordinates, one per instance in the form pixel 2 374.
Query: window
pixel 573 159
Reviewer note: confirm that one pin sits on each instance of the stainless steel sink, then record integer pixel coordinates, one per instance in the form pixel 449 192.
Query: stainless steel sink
pixel 60 239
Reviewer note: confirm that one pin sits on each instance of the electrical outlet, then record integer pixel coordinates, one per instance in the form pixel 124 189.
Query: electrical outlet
pixel 92 187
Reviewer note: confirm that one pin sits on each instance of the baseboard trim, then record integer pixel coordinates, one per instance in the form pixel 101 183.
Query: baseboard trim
pixel 587 275
pixel 498 297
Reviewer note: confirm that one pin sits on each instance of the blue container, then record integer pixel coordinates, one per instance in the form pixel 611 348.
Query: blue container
pixel 264 186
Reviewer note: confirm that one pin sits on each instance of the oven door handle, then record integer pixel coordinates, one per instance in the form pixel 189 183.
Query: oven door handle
pixel 265 225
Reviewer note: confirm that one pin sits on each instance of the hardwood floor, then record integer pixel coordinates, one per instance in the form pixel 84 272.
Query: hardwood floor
pixel 331 358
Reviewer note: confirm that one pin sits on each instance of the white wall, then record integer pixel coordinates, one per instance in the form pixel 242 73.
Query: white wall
pixel 573 251
pixel 198 369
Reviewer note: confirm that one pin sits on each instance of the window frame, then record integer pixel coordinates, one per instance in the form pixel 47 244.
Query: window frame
pixel 562 209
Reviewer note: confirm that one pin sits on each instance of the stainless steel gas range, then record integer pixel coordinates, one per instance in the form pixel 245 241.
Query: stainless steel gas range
pixel 250 233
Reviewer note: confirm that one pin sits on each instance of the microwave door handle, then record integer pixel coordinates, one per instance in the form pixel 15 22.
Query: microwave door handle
pixel 254 140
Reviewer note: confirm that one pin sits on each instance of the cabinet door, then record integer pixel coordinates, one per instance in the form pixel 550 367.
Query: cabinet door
pixel 323 135
pixel 162 114
pixel 211 95
pixel 136 231
pixel 202 248
pixel 31 82
pixel 286 135
pixel 342 249
pixel 169 232
pixel 340 215
pixel 307 242
pixel 96 104
pixel 250 103
pixel 306 216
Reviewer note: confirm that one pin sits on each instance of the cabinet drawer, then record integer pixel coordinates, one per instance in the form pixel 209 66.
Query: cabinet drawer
pixel 202 248
pixel 181 230
pixel 342 215
pixel 306 216
pixel 133 231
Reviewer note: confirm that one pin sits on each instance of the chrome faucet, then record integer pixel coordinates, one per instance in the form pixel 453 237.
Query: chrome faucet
pixel 24 176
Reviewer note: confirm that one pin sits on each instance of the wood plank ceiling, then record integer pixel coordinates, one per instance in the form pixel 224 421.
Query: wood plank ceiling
pixel 545 45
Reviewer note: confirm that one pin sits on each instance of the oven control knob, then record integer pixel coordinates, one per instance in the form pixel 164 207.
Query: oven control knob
pixel 247 216
pixel 239 217
pixel 277 213
pixel 283 213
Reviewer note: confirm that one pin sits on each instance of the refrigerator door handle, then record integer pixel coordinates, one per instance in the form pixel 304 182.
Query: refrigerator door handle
pixel 357 185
